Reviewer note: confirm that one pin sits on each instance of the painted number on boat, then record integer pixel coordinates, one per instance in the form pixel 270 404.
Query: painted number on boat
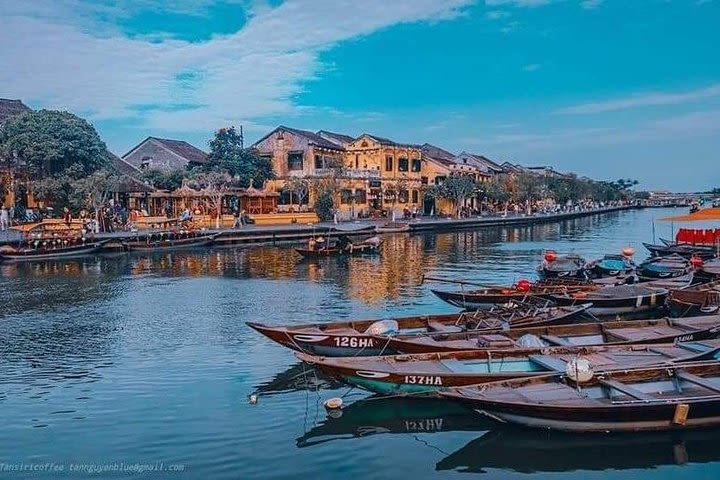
pixel 684 338
pixel 422 380
pixel 354 342
pixel 426 425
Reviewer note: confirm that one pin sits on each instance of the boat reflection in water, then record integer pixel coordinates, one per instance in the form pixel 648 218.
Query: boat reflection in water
pixel 297 378
pixel 378 414
pixel 535 451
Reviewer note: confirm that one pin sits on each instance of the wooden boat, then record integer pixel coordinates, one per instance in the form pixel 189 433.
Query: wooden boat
pixel 553 266
pixel 487 297
pixel 369 246
pixel 523 450
pixel 430 372
pixel 698 300
pixel 394 415
pixel 371 337
pixel 710 269
pixel 683 249
pixel 626 300
pixel 643 399
pixel 610 266
pixel 664 267
pixel 393 227
pixel 50 252
pixel 607 333
pixel 163 241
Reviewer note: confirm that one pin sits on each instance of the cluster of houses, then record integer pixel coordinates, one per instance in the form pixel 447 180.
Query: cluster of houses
pixel 377 174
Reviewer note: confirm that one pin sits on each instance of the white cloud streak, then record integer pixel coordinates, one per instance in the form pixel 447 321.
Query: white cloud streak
pixel 56 58
pixel 647 99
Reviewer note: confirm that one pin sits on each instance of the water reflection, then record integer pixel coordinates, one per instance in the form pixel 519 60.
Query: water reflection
pixel 533 451
pixel 298 377
pixel 382 415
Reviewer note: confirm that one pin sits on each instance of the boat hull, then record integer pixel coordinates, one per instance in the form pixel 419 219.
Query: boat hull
pixel 167 245
pixel 52 254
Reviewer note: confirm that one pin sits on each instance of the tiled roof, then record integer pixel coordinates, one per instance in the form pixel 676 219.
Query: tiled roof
pixel 313 138
pixel 183 149
pixel 338 138
pixel 8 108
pixel 387 142
pixel 132 177
pixel 438 154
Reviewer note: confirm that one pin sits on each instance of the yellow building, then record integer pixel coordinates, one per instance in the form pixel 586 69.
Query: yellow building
pixel 372 175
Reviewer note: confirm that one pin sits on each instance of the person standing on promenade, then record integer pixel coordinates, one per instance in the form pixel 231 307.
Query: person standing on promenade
pixel 4 219
pixel 67 216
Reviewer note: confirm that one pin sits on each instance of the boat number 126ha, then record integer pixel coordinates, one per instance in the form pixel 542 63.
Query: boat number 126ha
pixel 354 342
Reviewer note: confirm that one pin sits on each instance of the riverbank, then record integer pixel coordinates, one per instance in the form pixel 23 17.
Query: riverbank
pixel 277 234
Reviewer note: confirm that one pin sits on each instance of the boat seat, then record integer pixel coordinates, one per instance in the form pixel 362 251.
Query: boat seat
pixel 441 327
pixel 627 390
pixel 702 382
pixel 555 340
pixel 551 363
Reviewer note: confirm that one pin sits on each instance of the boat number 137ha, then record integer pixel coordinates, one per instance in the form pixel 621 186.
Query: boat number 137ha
pixel 422 380
pixel 354 342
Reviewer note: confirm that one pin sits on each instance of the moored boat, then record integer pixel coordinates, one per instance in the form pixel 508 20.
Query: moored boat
pixel 663 330
pixel 393 227
pixel 488 297
pixel 664 397
pixel 665 267
pixel 625 300
pixel 697 300
pixel 343 247
pixel 563 266
pixel 50 251
pixel 430 372
pixel 372 337
pixel 162 241
pixel 682 249
pixel 611 266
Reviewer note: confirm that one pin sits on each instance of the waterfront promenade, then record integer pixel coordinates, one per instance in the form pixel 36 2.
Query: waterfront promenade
pixel 275 234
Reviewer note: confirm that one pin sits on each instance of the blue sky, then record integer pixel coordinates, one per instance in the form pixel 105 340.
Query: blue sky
pixel 607 88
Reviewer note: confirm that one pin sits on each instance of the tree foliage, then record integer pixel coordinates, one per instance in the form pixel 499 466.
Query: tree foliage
pixel 50 142
pixel 455 189
pixel 325 205
pixel 93 191
pixel 165 180
pixel 228 155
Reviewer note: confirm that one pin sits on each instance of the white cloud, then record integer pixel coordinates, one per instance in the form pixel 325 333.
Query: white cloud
pixel 497 14
pixel 55 56
pixel 643 100
pixel 518 3
pixel 532 67
pixel 590 4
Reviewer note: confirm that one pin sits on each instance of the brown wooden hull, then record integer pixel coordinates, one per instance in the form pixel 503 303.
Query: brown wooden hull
pixel 644 399
pixel 425 373
pixel 607 333
pixel 340 339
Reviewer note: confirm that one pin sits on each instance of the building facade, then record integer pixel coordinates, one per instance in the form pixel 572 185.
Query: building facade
pixel 165 155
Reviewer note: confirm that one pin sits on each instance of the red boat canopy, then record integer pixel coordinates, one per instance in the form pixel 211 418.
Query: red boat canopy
pixel 698 237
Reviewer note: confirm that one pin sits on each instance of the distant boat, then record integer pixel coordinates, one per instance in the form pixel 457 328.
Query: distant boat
pixel 41 252
pixel 165 241
pixel 393 227
pixel 562 266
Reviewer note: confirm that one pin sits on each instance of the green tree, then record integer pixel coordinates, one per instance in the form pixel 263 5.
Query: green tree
pixel 325 205
pixel 456 189
pixel 215 186
pixel 228 155
pixel 299 189
pixel 59 189
pixel 95 190
pixel 50 142
pixel 165 180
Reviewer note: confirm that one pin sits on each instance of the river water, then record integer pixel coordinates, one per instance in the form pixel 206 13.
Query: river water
pixel 137 366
